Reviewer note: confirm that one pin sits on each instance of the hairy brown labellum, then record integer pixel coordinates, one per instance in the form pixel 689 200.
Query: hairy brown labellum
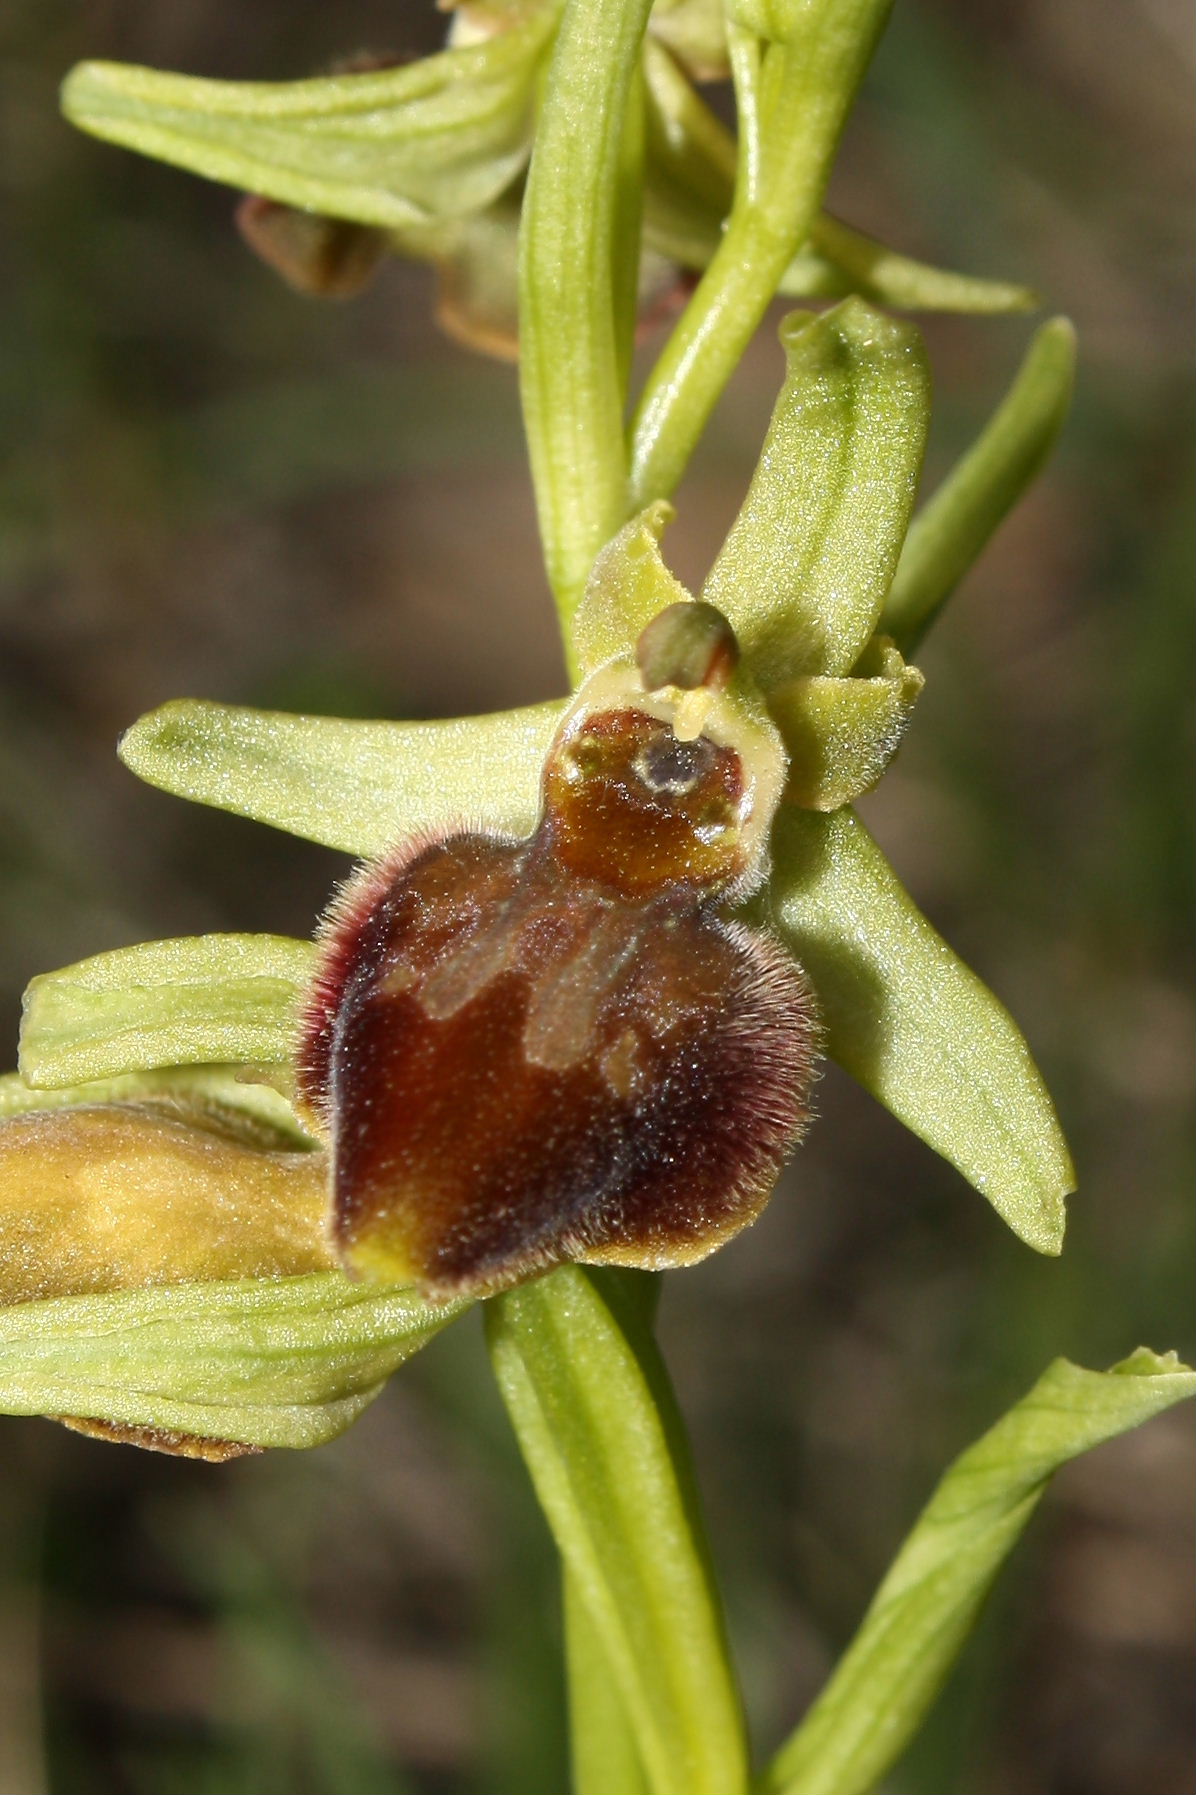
pixel 529 1052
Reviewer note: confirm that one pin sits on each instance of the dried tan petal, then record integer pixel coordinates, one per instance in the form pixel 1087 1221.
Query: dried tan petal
pixel 159 1439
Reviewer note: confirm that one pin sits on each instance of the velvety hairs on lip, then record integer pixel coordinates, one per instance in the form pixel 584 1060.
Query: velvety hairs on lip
pixel 529 1052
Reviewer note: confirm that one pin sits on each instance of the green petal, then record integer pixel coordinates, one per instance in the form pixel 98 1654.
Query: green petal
pixel 690 178
pixel 439 137
pixel 950 532
pixel 356 786
pixel 880 273
pixel 926 1605
pixel 628 587
pixel 235 1098
pixel 804 572
pixel 588 1397
pixel 263 1362
pixel 841 734
pixel 198 1000
pixel 914 1025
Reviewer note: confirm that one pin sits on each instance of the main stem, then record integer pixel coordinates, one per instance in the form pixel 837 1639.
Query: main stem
pixel 793 93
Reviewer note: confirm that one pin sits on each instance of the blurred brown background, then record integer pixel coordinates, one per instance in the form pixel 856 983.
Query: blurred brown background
pixel 210 487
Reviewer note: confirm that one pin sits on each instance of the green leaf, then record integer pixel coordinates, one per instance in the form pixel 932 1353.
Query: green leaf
pixel 360 787
pixel 922 1612
pixel 909 1020
pixel 437 138
pixel 234 1097
pixel 198 1000
pixel 841 734
pixel 571 368
pixel 263 1362
pixel 803 574
pixel 951 531
pixel 589 1400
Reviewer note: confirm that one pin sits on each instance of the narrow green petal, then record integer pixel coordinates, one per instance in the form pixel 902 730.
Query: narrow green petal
pixel 880 273
pixel 356 786
pixel 922 1612
pixel 919 1030
pixel 804 572
pixel 263 1362
pixel 236 1098
pixel 589 1400
pixel 841 734
pixel 950 532
pixel 690 180
pixel 198 1000
pixel 439 137
pixel 628 587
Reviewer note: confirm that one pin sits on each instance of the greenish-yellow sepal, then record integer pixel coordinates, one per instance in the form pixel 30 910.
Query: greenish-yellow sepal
pixel 914 1025
pixel 436 138
pixel 803 574
pixel 196 1000
pixel 249 1103
pixel 841 734
pixel 267 1362
pixel 351 785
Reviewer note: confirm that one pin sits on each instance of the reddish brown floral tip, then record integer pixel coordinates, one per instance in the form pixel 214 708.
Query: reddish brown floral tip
pixel 159 1439
pixel 556 1049
pixel 330 258
pixel 688 644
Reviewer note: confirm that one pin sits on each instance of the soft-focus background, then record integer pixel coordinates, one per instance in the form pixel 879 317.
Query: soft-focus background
pixel 211 487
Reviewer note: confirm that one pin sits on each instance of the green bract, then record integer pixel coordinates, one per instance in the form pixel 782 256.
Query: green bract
pixel 268 1362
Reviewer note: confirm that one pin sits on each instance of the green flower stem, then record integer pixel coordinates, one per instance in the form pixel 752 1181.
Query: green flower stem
pixel 950 532
pixel 572 236
pixel 807 79
pixel 602 1747
pixel 589 1398
pixel 922 1612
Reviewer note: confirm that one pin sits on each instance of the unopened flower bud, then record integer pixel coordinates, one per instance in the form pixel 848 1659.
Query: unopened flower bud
pixel 330 258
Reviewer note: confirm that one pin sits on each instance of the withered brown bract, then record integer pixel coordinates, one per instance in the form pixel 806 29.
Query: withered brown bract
pixel 556 1049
